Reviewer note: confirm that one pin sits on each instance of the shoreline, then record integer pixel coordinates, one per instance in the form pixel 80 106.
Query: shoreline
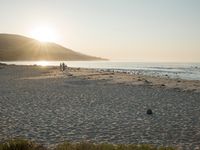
pixel 185 71
pixel 125 77
pixel 135 79
pixel 50 106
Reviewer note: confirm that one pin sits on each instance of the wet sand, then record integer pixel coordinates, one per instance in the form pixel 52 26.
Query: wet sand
pixel 49 106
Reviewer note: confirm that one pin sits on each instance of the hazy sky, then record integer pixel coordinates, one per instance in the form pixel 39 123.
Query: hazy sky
pixel 141 30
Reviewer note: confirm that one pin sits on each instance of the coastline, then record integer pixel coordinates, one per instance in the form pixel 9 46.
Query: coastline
pixel 135 79
pixel 51 106
pixel 116 76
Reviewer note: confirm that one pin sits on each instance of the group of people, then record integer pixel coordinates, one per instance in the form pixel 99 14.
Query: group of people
pixel 63 66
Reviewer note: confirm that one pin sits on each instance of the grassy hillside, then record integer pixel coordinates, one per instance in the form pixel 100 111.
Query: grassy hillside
pixel 18 48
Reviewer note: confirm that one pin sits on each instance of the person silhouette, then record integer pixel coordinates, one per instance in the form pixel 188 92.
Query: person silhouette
pixel 60 66
pixel 63 66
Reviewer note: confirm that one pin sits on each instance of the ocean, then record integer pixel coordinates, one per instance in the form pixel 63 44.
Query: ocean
pixel 188 71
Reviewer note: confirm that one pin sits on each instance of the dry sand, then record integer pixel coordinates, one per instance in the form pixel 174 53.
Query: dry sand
pixel 49 106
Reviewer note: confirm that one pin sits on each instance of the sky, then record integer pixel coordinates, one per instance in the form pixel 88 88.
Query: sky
pixel 136 30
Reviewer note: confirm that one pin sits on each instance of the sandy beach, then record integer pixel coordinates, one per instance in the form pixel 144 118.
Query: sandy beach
pixel 50 106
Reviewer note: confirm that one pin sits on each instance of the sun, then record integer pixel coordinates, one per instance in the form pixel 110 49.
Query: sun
pixel 44 34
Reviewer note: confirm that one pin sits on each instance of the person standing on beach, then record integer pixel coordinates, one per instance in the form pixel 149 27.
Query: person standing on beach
pixel 60 66
pixel 63 66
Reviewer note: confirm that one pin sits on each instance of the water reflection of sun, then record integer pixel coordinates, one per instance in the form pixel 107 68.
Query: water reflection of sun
pixel 42 63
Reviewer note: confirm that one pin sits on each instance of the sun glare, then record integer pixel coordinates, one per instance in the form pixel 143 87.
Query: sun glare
pixel 44 34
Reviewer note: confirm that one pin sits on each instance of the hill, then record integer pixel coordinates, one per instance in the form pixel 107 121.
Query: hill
pixel 20 48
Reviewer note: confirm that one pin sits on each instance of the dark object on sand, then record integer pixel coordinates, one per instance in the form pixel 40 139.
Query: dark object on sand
pixel 149 112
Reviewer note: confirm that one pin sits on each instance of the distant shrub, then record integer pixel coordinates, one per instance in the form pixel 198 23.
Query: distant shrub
pixel 20 144
pixel 90 146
